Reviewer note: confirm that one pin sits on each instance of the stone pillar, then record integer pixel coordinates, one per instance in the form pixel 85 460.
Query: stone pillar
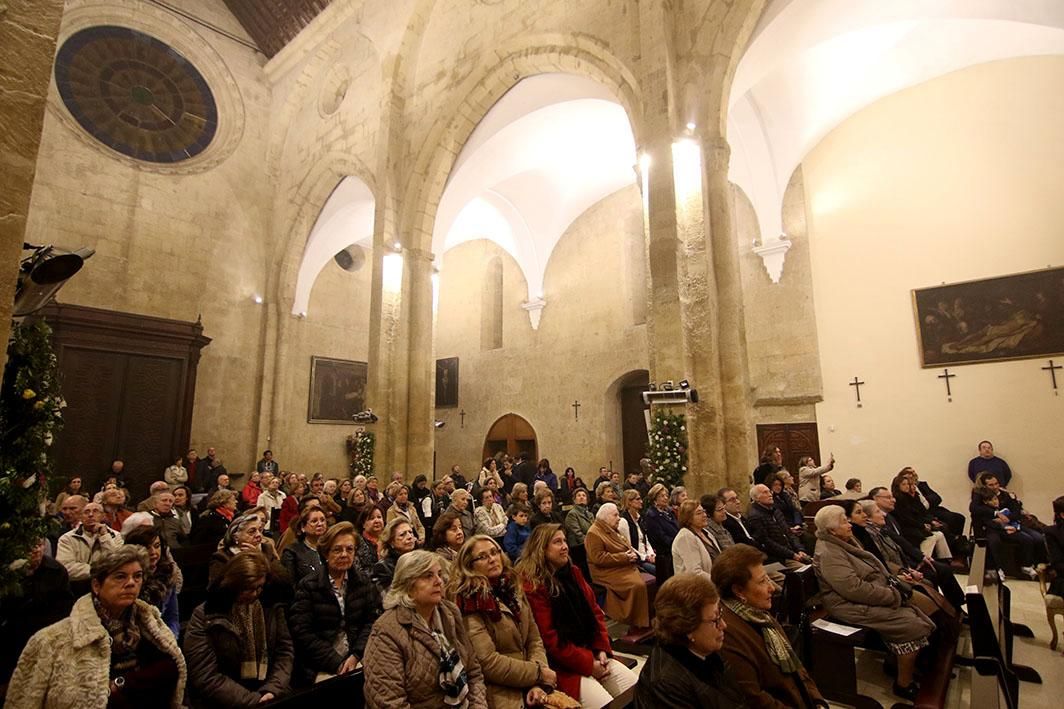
pixel 387 382
pixel 421 370
pixel 28 30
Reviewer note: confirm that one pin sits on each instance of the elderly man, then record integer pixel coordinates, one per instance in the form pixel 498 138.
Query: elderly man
pixel 164 519
pixel 69 518
pixel 90 539
pixel 771 531
pixel 735 523
pixel 148 504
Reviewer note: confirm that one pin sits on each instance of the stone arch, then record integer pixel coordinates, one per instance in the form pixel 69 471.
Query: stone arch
pixel 541 54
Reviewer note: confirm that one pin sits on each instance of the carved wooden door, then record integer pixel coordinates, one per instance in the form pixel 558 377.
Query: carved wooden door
pixel 794 440
pixel 512 434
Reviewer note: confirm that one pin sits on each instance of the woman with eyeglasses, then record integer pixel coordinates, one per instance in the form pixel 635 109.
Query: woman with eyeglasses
pixel 237 645
pixel 756 648
pixel 334 610
pixel 501 627
pixel 419 654
pixel 692 545
pixel 685 669
pixel 301 559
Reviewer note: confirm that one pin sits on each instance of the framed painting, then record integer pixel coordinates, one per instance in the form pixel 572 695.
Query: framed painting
pixel 337 390
pixel 446 383
pixel 1018 316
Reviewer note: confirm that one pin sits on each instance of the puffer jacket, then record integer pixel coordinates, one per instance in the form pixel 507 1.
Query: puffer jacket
pixel 403 661
pixel 68 665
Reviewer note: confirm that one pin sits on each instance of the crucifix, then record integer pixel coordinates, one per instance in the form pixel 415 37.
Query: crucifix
pixel 462 415
pixel 576 409
pixel 947 376
pixel 1052 369
pixel 856 384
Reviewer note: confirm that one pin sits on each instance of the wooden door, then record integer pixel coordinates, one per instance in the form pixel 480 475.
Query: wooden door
pixel 794 440
pixel 634 436
pixel 512 434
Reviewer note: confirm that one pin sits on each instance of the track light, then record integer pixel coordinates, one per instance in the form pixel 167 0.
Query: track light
pixel 366 416
pixel 43 273
pixel 439 424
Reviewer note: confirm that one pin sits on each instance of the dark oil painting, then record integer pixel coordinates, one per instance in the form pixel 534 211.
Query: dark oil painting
pixel 446 382
pixel 337 390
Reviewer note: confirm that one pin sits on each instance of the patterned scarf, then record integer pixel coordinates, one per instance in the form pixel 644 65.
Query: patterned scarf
pixel 250 624
pixel 502 591
pixel 157 583
pixel 779 650
pixel 125 637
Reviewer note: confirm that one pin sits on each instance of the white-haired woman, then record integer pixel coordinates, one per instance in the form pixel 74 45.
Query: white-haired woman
pixel 858 590
pixel 419 654
pixel 613 564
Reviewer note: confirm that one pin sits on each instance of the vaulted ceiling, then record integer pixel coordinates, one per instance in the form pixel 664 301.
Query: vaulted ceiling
pixel 274 23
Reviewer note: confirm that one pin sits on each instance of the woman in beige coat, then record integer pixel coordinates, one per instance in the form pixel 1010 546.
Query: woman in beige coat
pixel 612 562
pixel 692 545
pixel 857 590
pixel 501 627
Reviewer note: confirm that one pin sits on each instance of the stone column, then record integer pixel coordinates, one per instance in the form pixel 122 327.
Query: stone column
pixel 421 371
pixel 28 30
pixel 386 387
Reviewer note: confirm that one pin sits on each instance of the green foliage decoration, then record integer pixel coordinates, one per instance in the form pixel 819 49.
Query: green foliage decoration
pixel 360 450
pixel 668 447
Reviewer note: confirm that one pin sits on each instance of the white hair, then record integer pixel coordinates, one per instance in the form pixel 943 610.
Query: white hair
pixel 409 568
pixel 753 491
pixel 829 518
pixel 135 520
pixel 605 509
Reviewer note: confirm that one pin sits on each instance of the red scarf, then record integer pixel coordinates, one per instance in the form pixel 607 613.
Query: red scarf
pixel 225 512
pixel 502 590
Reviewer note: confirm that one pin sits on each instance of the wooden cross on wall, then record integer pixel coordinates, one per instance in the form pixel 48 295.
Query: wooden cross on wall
pixel 947 376
pixel 461 423
pixel 576 409
pixel 1052 369
pixel 856 384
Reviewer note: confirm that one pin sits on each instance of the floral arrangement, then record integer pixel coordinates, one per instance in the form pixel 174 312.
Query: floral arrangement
pixel 668 447
pixel 360 451
pixel 31 414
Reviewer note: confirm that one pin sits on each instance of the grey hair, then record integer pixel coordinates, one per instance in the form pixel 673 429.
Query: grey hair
pixel 674 495
pixel 461 493
pixel 137 519
pixel 829 518
pixel 604 509
pixel 410 567
pixel 753 491
pixel 869 506
pixel 106 564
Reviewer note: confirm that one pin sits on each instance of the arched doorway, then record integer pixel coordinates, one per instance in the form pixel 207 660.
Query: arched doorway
pixel 626 424
pixel 511 434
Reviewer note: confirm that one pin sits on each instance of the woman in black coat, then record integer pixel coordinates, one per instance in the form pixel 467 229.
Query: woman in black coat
pixel 301 559
pixel 330 639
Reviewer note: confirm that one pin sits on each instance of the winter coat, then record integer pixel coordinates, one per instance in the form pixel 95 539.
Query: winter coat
pixel 856 591
pixel 208 529
pixel 577 521
pixel 514 540
pixel 676 678
pixel 214 653
pixel 809 481
pixel 510 653
pixel 568 660
pixel 170 529
pixel 690 555
pixel 626 591
pixel 770 530
pixel 315 619
pixel 490 521
pixel 68 665
pixel 661 528
pixel 402 661
pixel 410 515
pixel 76 549
pixel 383 571
pixel 175 475
pixel 762 681
pixel 912 516
pixel 301 561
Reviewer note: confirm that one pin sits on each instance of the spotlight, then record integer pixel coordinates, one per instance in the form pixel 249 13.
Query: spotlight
pixel 691 126
pixel 684 384
pixel 257 298
pixel 43 273
pixel 668 386
pixel 439 424
pixel 366 416
pixel 653 387
pixel 397 246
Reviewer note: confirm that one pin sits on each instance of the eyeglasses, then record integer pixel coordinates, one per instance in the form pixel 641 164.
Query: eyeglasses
pixel 338 550
pixel 717 620
pixel 486 555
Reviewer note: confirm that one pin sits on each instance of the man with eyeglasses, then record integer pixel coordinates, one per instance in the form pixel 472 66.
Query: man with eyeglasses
pixel 735 523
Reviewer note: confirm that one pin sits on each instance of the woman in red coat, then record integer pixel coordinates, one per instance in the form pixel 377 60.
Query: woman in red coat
pixel 570 622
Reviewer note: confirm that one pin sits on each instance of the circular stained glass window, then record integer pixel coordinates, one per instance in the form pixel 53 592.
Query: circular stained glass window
pixel 135 94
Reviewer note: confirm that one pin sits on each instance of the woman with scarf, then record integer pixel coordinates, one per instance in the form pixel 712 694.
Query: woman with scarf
pixel 613 563
pixel 210 527
pixel 418 654
pixel 500 625
pixel 113 651
pixel 237 644
pixel 570 622
pixel 161 579
pixel 717 514
pixel 755 647
pixel 244 534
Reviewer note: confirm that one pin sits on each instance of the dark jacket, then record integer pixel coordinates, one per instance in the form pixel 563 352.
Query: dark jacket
pixel 912 551
pixel 213 652
pixel 736 530
pixel 315 619
pixel 771 532
pixel 525 472
pixel 566 487
pixel 662 528
pixel 300 561
pixel 676 678
pixel 912 516
pixel 45 598
pixel 383 571
pixel 932 497
pixel 1055 546
pixel 208 529
pixel 556 517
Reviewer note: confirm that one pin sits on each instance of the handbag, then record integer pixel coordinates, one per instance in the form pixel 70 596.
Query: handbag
pixel 903 588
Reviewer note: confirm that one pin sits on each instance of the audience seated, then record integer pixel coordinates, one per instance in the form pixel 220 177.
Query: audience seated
pixel 112 651
pixel 244 534
pixel 183 509
pixel 73 487
pixel 570 622
pixel 691 547
pixel 148 504
pixel 79 547
pixel 301 559
pixel 462 506
pixel 857 590
pixel 827 488
pixel 114 507
pixel 501 628
pixel 517 530
pixel 632 526
pixel 915 520
pixel 735 522
pixel 490 517
pixel 953 521
pixel 771 463
pixel 771 530
pixel 334 610
pixel 786 499
pixel 419 654
pixel 685 669
pixel 70 511
pixel 288 538
pixel 237 643
pixel 662 528
pixel 997 515
pixel 716 514
pixel 209 528
pixel 396 539
pixel 568 484
pixel 291 507
pixel 614 566
pixel 447 537
pixel 402 508
pixel 853 490
pixel 545 512
pixel 371 525
pixel 160 578
pixel 165 520
pixel 756 648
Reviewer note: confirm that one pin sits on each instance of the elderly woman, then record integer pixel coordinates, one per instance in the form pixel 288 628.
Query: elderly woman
pixel 334 610
pixel 371 525
pixel 717 513
pixel 301 559
pixel 490 516
pixel 756 648
pixel 570 622
pixel 916 523
pixel 402 508
pixel 462 505
pixel 691 548
pixel 613 564
pixel 519 493
pixel 662 528
pixel 785 498
pixel 631 526
pixel 447 537
pixel 685 669
pixel 500 625
pixel 856 589
pixel 810 477
pixel 828 489
pixel 113 651
pixel 605 492
pixel 209 528
pixel 244 534
pixel 396 539
pixel 161 577
pixel 419 654
pixel 544 512
pixel 237 644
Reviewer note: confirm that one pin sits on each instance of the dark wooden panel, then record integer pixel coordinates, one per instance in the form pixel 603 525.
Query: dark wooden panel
pixel 148 439
pixel 794 440
pixel 634 438
pixel 274 23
